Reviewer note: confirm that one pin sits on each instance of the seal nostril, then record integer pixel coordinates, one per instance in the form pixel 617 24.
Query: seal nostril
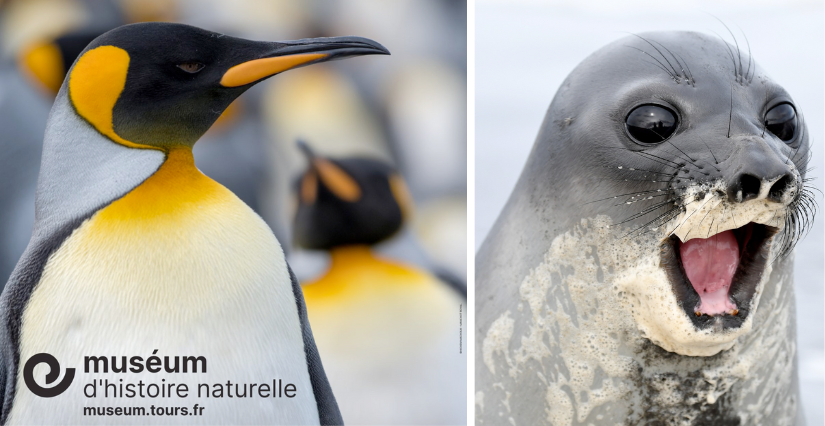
pixel 749 187
pixel 779 188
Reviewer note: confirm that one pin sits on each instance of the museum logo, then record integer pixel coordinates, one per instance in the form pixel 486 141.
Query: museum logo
pixel 51 377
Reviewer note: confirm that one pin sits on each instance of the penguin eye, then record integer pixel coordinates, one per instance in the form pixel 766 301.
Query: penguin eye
pixel 191 67
pixel 651 124
pixel 781 121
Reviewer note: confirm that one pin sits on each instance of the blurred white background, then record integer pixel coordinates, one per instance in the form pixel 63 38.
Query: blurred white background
pixel 525 49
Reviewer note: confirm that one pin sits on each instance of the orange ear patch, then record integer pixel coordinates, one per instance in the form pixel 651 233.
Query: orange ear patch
pixel 338 181
pixel 44 62
pixel 309 187
pixel 402 195
pixel 95 84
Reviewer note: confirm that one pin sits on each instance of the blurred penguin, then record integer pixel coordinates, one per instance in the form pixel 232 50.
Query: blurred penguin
pixel 422 104
pixel 39 40
pixel 388 330
pixel 291 107
pixel 425 107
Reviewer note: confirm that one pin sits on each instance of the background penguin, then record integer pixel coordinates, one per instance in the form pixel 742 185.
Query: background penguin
pixel 421 100
pixel 387 330
pixel 410 112
pixel 29 53
pixel 45 62
pixel 134 250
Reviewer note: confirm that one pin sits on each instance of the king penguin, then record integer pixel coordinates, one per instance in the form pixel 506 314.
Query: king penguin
pixel 136 253
pixel 389 331
pixel 231 152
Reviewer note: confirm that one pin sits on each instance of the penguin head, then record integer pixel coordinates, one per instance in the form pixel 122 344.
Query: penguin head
pixel 159 85
pixel 45 62
pixel 348 201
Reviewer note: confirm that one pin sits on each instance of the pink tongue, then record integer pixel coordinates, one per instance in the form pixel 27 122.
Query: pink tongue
pixel 710 264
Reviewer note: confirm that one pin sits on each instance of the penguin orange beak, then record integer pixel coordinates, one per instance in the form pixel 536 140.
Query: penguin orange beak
pixel 287 55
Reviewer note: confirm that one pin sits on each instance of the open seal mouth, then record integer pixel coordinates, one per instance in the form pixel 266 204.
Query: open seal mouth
pixel 715 279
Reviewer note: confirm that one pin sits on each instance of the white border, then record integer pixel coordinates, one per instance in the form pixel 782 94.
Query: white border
pixel 469 331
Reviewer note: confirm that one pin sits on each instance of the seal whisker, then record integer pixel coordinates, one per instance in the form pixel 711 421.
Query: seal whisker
pixel 660 67
pixel 645 153
pixel 641 199
pixel 764 114
pixel 724 210
pixel 798 220
pixel 675 58
pixel 730 116
pixel 633 169
pixel 671 74
pixel 690 74
pixel 773 218
pixel 711 226
pixel 808 188
pixel 694 161
pixel 737 71
pixel 646 211
pixel 749 80
pixel 677 165
pixel 673 212
pixel 683 152
pixel 642 153
pixel 688 216
pixel 691 160
pixel 637 180
pixel 623 195
pixel 730 51
pixel 801 137
pixel 802 164
pixel 704 217
pixel 675 72
pixel 716 160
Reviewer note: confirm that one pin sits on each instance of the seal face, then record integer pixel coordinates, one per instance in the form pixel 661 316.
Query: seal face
pixel 641 270
pixel 716 196
pixel 709 161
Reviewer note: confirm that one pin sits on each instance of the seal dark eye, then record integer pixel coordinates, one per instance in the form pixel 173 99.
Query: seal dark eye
pixel 191 67
pixel 781 121
pixel 651 123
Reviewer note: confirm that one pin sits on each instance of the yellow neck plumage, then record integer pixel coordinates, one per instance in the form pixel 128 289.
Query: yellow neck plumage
pixel 176 189
pixel 356 270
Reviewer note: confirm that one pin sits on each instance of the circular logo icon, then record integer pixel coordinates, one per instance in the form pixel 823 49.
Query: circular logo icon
pixel 51 377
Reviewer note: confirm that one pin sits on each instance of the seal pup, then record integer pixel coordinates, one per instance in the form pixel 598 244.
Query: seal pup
pixel 641 271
